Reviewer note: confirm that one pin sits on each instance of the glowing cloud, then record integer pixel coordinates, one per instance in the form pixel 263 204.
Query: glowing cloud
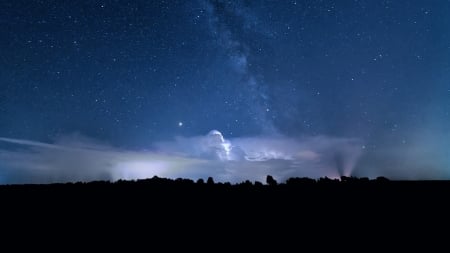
pixel 76 158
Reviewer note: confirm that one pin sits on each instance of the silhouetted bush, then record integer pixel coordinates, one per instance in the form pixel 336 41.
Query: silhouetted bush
pixel 297 181
pixel 345 179
pixel 246 183
pixel 382 179
pixel 327 180
pixel 271 181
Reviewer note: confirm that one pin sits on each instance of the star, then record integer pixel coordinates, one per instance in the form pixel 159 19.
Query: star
pixel 247 68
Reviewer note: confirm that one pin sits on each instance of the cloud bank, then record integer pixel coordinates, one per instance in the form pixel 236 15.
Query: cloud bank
pixel 77 158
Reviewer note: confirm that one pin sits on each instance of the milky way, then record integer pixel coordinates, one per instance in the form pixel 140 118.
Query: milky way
pixel 295 88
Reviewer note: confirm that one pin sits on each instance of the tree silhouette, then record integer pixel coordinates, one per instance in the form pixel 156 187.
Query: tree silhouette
pixel 271 181
pixel 210 181
pixel 258 184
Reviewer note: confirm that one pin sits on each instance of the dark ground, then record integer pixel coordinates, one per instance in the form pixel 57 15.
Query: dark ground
pixel 300 211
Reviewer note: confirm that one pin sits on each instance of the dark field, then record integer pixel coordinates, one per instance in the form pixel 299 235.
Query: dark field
pixel 376 211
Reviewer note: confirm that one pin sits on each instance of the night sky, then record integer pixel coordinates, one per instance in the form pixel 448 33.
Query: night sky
pixel 328 80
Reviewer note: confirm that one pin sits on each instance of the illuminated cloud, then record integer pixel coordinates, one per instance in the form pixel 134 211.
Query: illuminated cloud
pixel 75 158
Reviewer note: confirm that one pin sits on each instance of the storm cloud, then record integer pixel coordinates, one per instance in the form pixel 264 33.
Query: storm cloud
pixel 77 158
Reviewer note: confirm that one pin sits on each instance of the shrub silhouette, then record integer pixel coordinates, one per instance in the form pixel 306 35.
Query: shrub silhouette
pixel 271 181
pixel 210 181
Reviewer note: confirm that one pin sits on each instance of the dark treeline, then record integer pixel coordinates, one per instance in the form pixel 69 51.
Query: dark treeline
pixel 251 212
pixel 183 182
pixel 185 193
pixel 295 187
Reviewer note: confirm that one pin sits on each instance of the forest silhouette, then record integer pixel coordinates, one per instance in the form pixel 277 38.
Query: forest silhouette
pixel 249 212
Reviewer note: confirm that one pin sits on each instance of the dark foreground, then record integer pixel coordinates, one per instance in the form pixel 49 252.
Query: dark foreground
pixel 299 210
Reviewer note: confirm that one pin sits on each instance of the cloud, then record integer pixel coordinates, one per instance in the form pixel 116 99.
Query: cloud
pixel 77 158
pixel 424 155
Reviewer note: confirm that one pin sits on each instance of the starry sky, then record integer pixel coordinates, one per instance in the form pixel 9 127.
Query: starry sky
pixel 135 73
